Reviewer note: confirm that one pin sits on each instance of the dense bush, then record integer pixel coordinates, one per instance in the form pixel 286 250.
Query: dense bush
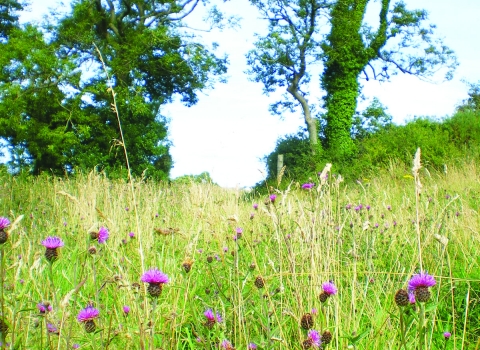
pixel 441 141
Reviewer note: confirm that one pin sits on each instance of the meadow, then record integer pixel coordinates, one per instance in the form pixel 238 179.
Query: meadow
pixel 149 265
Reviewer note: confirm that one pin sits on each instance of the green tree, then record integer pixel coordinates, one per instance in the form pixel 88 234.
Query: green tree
pixel 8 17
pixel 139 50
pixel 352 48
pixel 284 57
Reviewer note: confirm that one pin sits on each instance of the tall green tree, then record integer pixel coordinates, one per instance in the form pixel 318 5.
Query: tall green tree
pixel 56 95
pixel 284 57
pixel 402 43
pixel 350 49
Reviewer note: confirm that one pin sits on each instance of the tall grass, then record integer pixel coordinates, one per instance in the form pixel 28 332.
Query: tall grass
pixel 360 236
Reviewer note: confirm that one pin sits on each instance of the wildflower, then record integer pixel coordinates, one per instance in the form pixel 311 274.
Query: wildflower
pixel 307 321
pixel 411 298
pixel 326 337
pixel 187 265
pixel 227 345
pixel 52 329
pixel 92 250
pixel 255 206
pixel 308 186
pixel 272 198
pixel 259 282
pixel 402 298
pixel 239 232
pixel 87 316
pixel 252 215
pixel 211 318
pixel 328 290
pixel 102 235
pixel 75 346
pixel 348 206
pixel 52 244
pixel 252 346
pixel 447 335
pixel 126 310
pixel 4 223
pixel 313 340
pixel 155 279
pixel 44 307
pixel 131 235
pixel 419 285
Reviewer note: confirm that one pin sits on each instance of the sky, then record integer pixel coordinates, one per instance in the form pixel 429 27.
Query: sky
pixel 229 131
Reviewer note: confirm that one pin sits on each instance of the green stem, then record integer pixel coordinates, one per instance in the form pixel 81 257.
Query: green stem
pixel 2 269
pixel 152 331
pixel 402 330
pixel 421 327
pixel 50 274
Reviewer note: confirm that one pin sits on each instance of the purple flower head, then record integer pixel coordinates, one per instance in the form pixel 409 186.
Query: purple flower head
pixel 131 235
pixel 421 280
pixel 225 249
pixel 52 242
pixel 88 314
pixel 314 311
pixel 126 309
pixel 308 186
pixel 348 206
pixel 4 222
pixel 389 207
pixel 44 307
pixel 226 344
pixel 411 298
pixel 51 328
pixel 154 276
pixel 368 207
pixel 252 215
pixel 252 346
pixel 211 317
pixel 447 335
pixel 76 346
pixel 239 230
pixel 272 198
pixel 255 206
pixel 314 338
pixel 329 288
pixel 102 235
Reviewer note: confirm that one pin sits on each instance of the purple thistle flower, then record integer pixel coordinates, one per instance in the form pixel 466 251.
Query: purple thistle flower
pixel 314 311
pixel 314 338
pixel 4 223
pixel 52 242
pixel 272 198
pixel 102 235
pixel 225 249
pixel 226 344
pixel 126 310
pixel 447 335
pixel 348 206
pixel 368 207
pixel 411 298
pixel 329 288
pixel 252 346
pixel 88 314
pixel 252 215
pixel 75 346
pixel 44 307
pixel 421 280
pixel 308 186
pixel 211 317
pixel 52 329
pixel 255 206
pixel 239 230
pixel 131 235
pixel 154 276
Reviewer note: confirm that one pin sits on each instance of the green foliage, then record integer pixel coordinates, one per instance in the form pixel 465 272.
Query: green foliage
pixel 352 48
pixel 56 96
pixel 8 17
pixel 202 178
pixel 473 100
pixel 283 58
pixel 301 165
pixel 373 119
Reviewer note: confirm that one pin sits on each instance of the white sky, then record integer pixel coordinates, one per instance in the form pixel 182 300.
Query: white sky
pixel 230 129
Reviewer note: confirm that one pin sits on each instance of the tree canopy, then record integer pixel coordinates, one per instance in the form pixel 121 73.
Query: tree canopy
pixel 56 93
pixel 349 48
